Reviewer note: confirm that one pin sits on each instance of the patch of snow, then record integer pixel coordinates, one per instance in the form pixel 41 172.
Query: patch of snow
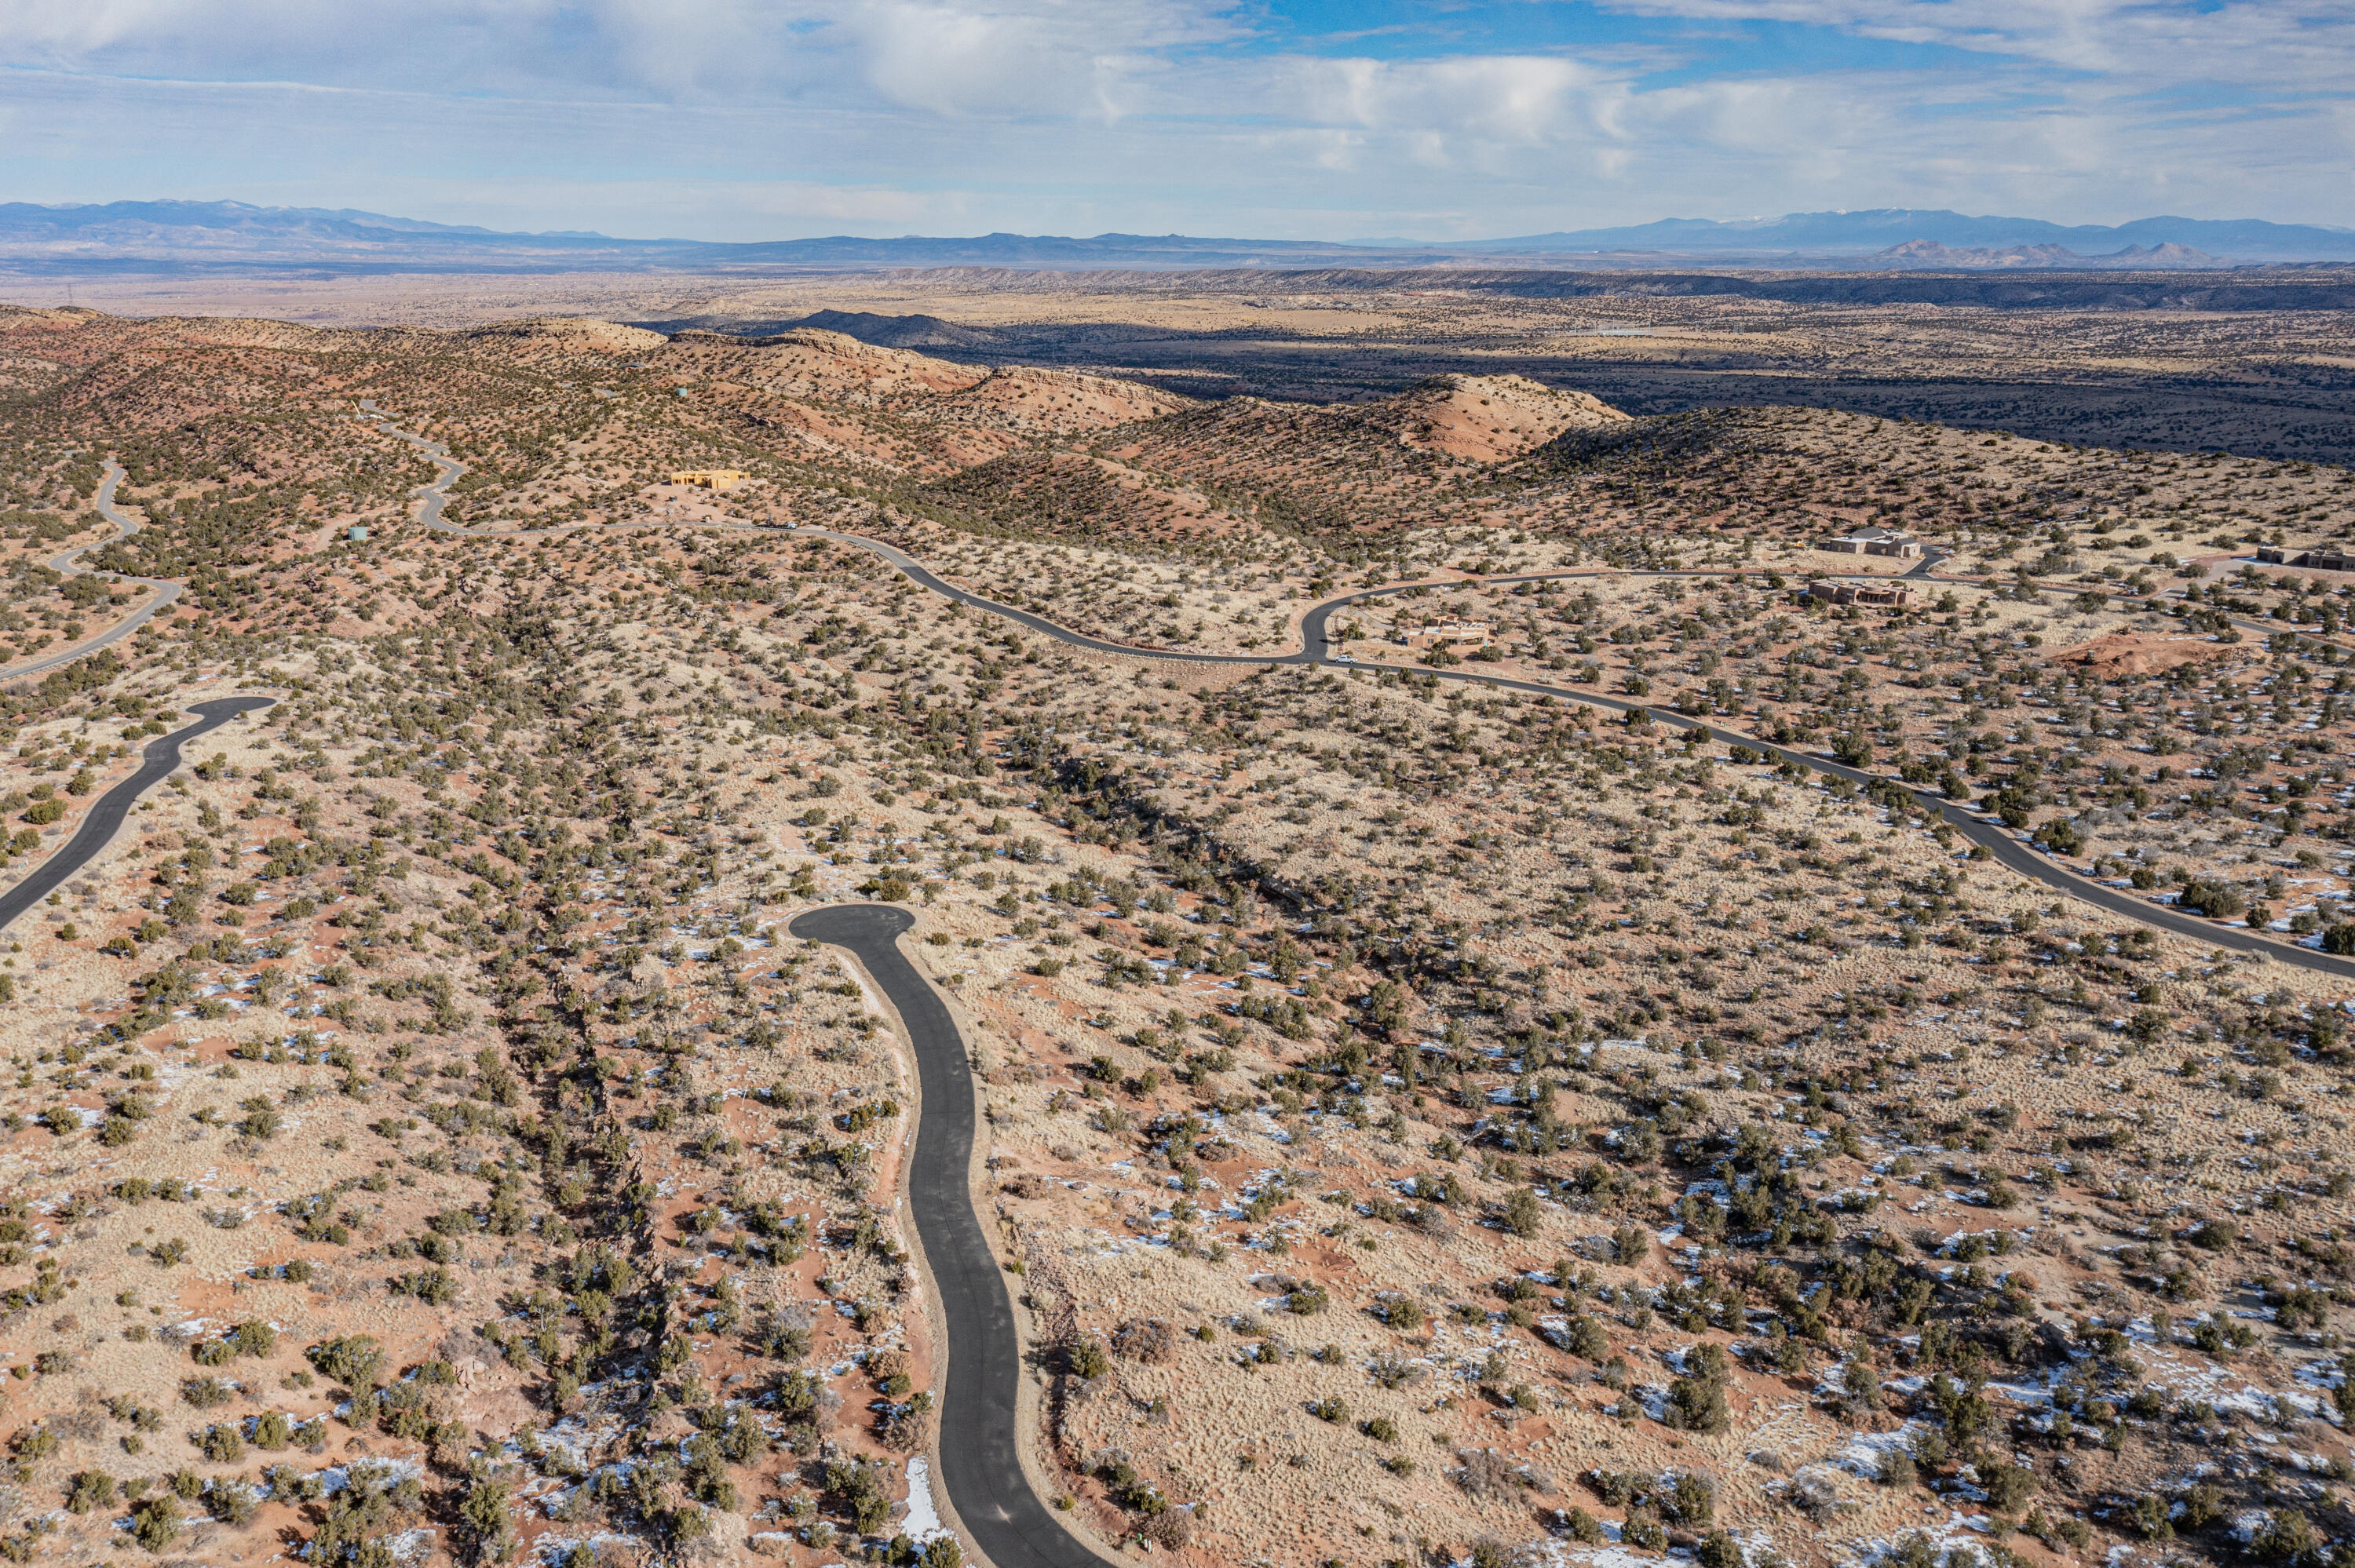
pixel 1866 1454
pixel 335 1478
pixel 923 1520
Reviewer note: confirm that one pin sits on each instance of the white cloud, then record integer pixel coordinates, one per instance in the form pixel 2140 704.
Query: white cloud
pixel 2275 43
pixel 641 116
pixel 945 56
pixel 955 61
pixel 1522 99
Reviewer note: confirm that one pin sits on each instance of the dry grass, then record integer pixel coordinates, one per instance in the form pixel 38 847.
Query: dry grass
pixel 1302 997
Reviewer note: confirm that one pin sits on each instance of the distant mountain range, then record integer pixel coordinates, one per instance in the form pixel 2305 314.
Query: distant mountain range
pixel 1880 229
pixel 1929 253
pixel 194 237
pixel 232 236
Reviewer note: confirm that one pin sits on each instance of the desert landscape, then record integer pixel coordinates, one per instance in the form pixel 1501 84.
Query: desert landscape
pixel 1528 1055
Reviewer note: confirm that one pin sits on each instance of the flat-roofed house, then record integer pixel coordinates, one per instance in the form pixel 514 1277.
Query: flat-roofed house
pixel 1872 542
pixel 1451 634
pixel 1892 594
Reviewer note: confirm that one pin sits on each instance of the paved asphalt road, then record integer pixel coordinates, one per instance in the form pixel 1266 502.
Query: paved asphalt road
pixel 1315 649
pixel 1998 841
pixel 161 756
pixel 980 1459
pixel 166 590
pixel 432 497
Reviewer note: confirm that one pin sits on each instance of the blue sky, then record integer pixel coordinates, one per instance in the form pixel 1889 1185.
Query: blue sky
pixel 1308 119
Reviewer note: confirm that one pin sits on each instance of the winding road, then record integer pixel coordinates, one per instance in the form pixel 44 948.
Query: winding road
pixel 2000 843
pixel 67 562
pixel 1315 648
pixel 160 755
pixel 979 1452
pixel 435 494
pixel 980 1447
pixel 106 814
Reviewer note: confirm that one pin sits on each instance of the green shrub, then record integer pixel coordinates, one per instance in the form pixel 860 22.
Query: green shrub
pixel 2007 1485
pixel 229 1501
pixel 219 1443
pixel 2214 899
pixel 155 1520
pixel 484 1512
pixel 2216 1235
pixel 1697 1400
pixel 89 1491
pixel 2289 1537
pixel 352 1359
pixel 1719 1549
pixel 1691 1499
pixel 434 1287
